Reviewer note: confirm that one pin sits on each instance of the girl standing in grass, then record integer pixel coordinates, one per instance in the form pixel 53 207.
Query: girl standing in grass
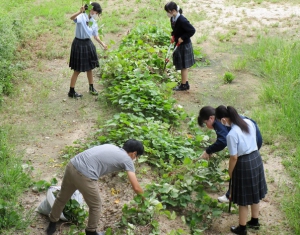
pixel 183 57
pixel 246 168
pixel 83 56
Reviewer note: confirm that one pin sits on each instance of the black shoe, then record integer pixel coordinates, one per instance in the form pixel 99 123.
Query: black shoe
pixel 74 95
pixel 93 91
pixel 182 87
pixel 51 228
pixel 252 225
pixel 94 233
pixel 237 230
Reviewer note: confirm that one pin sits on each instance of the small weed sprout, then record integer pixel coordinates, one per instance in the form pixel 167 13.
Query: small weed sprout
pixel 228 77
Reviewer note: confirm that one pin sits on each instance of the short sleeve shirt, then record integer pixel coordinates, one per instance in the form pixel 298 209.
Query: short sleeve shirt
pixel 101 160
pixel 241 143
pixel 83 28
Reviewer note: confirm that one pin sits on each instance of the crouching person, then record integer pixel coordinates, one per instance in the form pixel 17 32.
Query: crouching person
pixel 83 172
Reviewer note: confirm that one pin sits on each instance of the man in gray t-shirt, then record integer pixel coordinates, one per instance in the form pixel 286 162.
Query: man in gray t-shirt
pixel 83 172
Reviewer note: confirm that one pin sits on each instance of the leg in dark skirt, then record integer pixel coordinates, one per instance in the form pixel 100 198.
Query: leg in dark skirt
pixel 249 182
pixel 183 58
pixel 72 93
pixel 83 58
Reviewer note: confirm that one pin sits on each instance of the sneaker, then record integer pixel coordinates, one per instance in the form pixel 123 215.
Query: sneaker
pixel 187 86
pixel 237 230
pixel 74 95
pixel 223 199
pixel 51 228
pixel 93 91
pixel 182 87
pixel 253 226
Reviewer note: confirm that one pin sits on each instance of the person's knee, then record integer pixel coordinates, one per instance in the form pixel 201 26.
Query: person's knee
pixel 96 206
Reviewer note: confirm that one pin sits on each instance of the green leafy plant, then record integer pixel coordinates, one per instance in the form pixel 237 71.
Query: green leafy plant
pixel 160 144
pixel 177 232
pixel 73 230
pixel 148 113
pixel 142 212
pixel 199 57
pixel 228 77
pixel 176 188
pixel 8 214
pixel 43 185
pixel 143 98
pixel 74 212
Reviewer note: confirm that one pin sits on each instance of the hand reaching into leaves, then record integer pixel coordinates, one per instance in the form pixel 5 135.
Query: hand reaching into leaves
pixel 104 46
pixel 205 155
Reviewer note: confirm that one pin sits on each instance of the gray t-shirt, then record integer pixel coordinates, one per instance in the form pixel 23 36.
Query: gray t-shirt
pixel 101 160
pixel 241 143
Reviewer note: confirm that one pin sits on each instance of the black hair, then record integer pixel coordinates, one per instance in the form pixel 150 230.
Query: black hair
pixel 205 113
pixel 170 6
pixel 230 112
pixel 96 7
pixel 133 145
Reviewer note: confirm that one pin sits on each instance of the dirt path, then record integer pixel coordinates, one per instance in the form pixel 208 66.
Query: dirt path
pixel 44 120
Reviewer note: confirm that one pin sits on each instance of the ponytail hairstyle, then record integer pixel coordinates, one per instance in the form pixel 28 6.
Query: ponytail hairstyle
pixel 230 112
pixel 170 6
pixel 205 113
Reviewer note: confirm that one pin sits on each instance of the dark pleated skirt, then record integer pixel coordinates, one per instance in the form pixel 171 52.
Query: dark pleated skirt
pixel 248 180
pixel 183 57
pixel 83 55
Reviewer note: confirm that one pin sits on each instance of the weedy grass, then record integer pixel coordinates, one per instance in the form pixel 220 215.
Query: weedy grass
pixel 228 77
pixel 202 38
pixel 276 62
pixel 14 180
pixel 33 98
pixel 28 112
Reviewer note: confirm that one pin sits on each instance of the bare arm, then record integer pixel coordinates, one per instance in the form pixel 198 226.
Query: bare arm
pixel 74 16
pixel 134 182
pixel 232 163
pixel 100 42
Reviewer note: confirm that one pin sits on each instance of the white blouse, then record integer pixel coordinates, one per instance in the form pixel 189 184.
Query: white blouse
pixel 241 143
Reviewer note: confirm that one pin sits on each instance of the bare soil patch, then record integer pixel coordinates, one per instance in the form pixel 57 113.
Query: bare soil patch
pixel 60 120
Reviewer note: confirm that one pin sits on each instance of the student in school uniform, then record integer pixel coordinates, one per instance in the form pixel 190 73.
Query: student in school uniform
pixel 182 31
pixel 83 56
pixel 246 168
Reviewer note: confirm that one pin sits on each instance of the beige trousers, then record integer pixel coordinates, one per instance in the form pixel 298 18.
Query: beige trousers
pixel 72 181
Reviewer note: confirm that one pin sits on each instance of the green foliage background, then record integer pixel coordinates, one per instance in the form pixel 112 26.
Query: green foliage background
pixel 13 181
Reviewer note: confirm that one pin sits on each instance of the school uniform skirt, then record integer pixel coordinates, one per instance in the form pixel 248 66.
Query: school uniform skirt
pixel 83 55
pixel 183 57
pixel 248 180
